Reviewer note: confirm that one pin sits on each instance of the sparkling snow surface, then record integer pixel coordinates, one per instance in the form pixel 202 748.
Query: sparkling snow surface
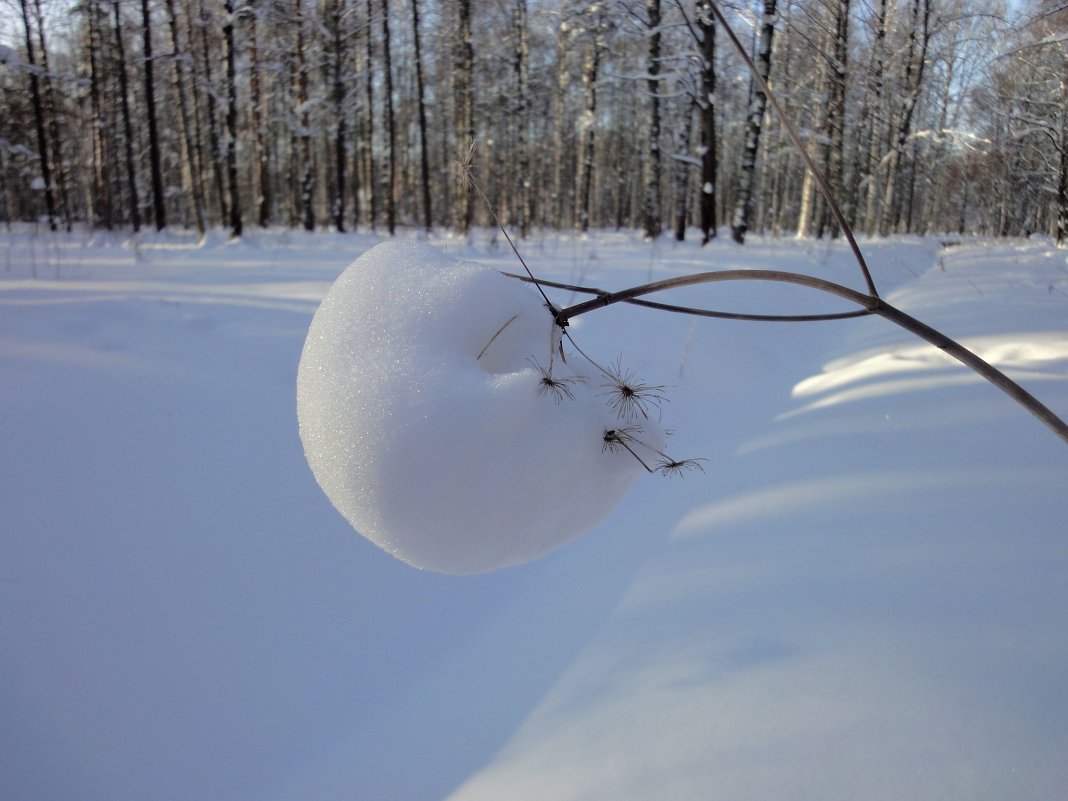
pixel 863 597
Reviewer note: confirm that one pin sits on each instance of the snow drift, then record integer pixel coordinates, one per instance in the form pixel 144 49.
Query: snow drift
pixel 426 420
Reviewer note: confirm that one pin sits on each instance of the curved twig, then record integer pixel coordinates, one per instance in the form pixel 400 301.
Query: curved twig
pixel 607 298
pixel 696 312
pixel 869 305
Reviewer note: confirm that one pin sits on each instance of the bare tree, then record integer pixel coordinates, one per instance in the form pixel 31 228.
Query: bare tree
pixel 39 120
pixel 758 99
pixel 591 65
pixel 465 107
pixel 391 190
pixel 193 159
pixel 651 214
pixel 706 27
pixel 159 209
pixel 236 223
pixel 915 62
pixel 124 92
pixel 424 158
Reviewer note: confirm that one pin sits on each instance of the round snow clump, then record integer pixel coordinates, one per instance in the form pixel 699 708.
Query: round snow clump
pixel 426 420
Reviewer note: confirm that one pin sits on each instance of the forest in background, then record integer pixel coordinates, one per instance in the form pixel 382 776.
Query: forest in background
pixel 926 116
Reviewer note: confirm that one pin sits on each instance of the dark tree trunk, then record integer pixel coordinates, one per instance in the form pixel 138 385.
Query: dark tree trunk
pixel 213 123
pixel 101 167
pixel 39 120
pixel 360 143
pixel 55 141
pixel 307 177
pixel 651 203
pixel 1062 178
pixel 522 156
pixel 159 211
pixel 124 91
pixel 340 132
pixel 424 158
pixel 372 172
pixel 836 112
pixel 465 123
pixel 391 189
pixel 236 223
pixel 875 101
pixel 706 25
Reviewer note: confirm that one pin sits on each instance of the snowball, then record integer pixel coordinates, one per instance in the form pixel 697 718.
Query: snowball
pixel 449 461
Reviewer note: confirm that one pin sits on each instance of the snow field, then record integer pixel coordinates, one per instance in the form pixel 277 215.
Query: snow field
pixel 863 597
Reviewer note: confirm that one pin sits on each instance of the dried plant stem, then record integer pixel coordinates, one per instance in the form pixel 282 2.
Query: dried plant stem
pixel 500 330
pixel 719 315
pixel 868 304
pixel 603 299
pixel 979 365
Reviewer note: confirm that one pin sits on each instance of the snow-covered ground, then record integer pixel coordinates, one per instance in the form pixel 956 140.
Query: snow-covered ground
pixel 864 596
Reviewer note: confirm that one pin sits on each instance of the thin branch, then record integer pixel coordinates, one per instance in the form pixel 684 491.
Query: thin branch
pixel 696 312
pixel 868 304
pixel 500 330
pixel 607 298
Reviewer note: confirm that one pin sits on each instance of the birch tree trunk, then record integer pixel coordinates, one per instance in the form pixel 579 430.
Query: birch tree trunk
pixel 758 100
pixel 590 69
pixel 191 156
pixel 557 217
pixel 914 68
pixel 875 102
pixel 706 26
pixel 837 70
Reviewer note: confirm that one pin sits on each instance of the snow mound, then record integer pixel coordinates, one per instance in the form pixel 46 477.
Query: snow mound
pixel 449 460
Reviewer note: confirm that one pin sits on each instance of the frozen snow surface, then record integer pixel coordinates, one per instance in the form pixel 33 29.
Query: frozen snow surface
pixel 864 595
pixel 425 420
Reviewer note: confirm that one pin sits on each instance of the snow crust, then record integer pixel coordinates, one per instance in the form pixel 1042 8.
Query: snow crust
pixel 449 461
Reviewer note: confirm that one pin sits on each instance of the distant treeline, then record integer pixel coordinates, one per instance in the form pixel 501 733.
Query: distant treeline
pixel 924 115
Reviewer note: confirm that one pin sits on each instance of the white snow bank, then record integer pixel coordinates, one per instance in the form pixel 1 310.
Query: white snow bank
pixel 447 460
